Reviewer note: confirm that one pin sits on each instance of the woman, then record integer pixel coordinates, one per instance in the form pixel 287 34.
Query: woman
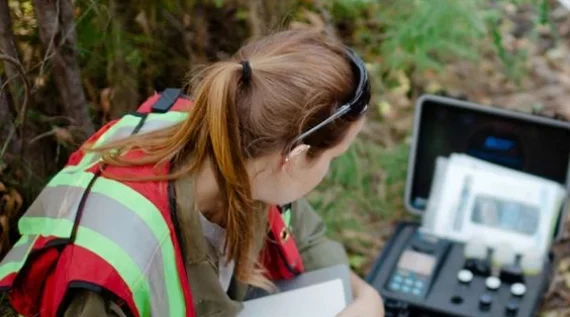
pixel 172 211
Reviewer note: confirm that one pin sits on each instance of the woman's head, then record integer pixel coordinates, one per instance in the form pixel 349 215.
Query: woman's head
pixel 262 122
pixel 279 87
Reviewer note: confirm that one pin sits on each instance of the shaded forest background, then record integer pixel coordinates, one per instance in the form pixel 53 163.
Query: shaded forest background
pixel 67 67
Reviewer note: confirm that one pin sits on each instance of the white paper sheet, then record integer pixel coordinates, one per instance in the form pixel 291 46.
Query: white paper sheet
pixel 324 299
pixel 512 207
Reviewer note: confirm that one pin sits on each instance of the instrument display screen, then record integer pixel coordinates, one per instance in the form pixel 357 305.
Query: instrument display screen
pixel 416 262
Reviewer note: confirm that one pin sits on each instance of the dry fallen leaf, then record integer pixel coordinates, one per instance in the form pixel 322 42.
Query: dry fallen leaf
pixel 566 280
pixel 384 108
pixel 404 83
pixel 433 87
pixel 564 265
pixel 4 234
pixel 6 205
pixel 62 135
pixel 403 124
pixel 142 21
pixel 17 199
pixel 296 25
pixel 106 101
pixel 314 19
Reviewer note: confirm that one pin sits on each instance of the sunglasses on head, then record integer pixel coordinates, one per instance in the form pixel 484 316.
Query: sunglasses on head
pixel 357 105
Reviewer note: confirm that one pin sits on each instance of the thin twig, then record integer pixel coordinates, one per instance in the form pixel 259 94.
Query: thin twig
pixel 10 136
pixel 21 115
pixel 48 119
pixel 42 135
pixel 52 40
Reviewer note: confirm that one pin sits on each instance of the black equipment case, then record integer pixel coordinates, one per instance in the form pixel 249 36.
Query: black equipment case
pixel 537 145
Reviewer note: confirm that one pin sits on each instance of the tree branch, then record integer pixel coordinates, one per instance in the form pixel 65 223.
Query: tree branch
pixel 21 116
pixel 8 47
pixel 7 125
pixel 255 22
pixel 57 33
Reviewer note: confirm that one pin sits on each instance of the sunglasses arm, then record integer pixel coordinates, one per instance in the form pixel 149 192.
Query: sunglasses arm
pixel 339 113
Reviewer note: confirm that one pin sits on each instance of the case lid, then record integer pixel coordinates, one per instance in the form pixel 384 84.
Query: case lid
pixel 530 143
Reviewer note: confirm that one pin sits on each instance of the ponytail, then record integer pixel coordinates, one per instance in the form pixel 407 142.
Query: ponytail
pixel 217 94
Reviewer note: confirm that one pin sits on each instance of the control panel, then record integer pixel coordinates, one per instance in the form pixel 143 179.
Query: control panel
pixel 421 275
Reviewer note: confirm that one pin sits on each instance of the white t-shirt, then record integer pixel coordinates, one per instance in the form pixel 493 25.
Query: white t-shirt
pixel 216 235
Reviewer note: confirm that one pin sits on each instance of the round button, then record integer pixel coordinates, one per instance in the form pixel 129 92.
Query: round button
pixel 493 282
pixel 465 276
pixel 485 301
pixel 518 289
pixel 456 299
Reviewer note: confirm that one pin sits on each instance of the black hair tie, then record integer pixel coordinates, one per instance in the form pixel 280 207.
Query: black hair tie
pixel 246 71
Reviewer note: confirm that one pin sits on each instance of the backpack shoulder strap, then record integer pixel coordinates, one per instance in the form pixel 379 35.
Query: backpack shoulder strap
pixel 170 99
pixel 166 100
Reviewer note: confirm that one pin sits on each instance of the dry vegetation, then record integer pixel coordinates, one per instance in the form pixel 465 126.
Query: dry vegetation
pixel 70 66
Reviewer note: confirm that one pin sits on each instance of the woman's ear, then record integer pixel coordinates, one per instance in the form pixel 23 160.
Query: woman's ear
pixel 296 153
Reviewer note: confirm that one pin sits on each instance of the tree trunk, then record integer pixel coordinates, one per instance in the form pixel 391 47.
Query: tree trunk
pixel 8 47
pixel 57 33
pixel 122 77
pixel 8 138
pixel 9 142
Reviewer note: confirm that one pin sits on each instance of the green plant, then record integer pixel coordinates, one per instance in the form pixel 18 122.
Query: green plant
pixel 416 34
pixel 419 35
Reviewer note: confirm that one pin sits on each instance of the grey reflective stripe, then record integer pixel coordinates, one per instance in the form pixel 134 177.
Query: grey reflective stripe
pixel 19 250
pixel 15 258
pixel 60 204
pixel 127 125
pixel 134 236
pixel 153 123
pixel 148 126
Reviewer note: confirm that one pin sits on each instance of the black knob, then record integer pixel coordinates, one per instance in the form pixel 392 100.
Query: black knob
pixel 485 301
pixel 479 267
pixel 512 274
pixel 512 308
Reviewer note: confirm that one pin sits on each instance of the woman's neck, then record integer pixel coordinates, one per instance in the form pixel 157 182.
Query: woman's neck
pixel 208 196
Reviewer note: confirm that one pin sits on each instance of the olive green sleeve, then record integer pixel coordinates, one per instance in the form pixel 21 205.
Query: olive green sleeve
pixel 85 303
pixel 309 230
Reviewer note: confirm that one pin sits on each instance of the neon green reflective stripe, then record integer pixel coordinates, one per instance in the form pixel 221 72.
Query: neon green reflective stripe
pixel 14 259
pixel 9 268
pixel 90 157
pixel 149 214
pixel 172 116
pixel 286 215
pixel 100 245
